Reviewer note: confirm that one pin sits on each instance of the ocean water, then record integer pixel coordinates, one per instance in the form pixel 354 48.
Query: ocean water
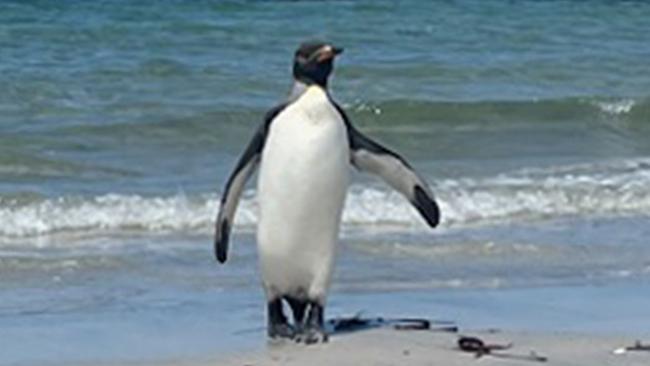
pixel 120 121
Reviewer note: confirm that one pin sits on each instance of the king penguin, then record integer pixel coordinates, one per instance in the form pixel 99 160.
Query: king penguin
pixel 303 149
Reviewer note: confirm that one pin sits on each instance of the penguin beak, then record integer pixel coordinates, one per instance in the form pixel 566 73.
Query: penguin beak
pixel 328 52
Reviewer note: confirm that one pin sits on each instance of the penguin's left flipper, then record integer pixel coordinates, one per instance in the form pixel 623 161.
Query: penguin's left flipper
pixel 245 167
pixel 232 192
pixel 368 155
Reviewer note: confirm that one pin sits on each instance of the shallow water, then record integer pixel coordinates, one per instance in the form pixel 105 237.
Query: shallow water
pixel 119 123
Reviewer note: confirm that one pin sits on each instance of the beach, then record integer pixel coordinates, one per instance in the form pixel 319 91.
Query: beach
pixel 120 123
pixel 390 347
pixel 570 325
pixel 564 326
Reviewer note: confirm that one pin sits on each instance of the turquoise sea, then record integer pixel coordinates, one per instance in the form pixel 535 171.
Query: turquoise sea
pixel 120 121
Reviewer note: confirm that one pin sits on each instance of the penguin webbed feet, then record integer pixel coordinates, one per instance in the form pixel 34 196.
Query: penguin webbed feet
pixel 308 327
pixel 311 329
pixel 304 335
pixel 278 325
pixel 312 335
pixel 282 331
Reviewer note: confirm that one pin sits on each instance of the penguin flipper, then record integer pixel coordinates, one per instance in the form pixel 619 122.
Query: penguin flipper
pixel 245 167
pixel 368 155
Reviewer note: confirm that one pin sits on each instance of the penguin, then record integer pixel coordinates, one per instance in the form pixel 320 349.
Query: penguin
pixel 304 149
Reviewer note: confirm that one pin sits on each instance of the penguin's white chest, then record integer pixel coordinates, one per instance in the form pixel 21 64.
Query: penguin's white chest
pixel 302 185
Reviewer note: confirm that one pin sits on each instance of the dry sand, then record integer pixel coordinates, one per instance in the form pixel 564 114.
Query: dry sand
pixel 402 347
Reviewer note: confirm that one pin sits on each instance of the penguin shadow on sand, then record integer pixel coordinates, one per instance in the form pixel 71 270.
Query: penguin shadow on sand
pixel 345 325
pixel 359 323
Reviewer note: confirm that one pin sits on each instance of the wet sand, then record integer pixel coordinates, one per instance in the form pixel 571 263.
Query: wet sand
pixel 400 347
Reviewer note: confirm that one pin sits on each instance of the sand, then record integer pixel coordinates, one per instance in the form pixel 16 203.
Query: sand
pixel 401 347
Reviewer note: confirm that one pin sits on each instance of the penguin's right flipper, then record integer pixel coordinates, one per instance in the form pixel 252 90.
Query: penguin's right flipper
pixel 368 155
pixel 235 185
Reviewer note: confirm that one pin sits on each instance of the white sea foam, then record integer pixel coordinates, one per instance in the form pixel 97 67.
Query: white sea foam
pixel 616 107
pixel 616 188
pixel 105 213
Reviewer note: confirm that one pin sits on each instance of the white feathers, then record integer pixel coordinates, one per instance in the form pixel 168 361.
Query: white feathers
pixel 302 186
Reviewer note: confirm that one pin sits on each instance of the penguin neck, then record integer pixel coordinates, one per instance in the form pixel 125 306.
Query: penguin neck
pixel 299 87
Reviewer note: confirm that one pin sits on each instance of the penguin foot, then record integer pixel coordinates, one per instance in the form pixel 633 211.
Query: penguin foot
pixel 282 330
pixel 312 336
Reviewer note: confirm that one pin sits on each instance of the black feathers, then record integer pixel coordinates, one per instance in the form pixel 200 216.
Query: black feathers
pixel 427 207
pixel 221 242
pixel 370 156
pixel 235 184
pixel 313 62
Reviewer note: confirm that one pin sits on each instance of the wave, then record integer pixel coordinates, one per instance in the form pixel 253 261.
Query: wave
pixel 610 188
pixel 223 128
pixel 503 111
pixel 192 128
pixel 615 107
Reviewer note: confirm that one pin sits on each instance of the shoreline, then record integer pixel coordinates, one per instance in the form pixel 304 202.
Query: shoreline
pixel 227 328
pixel 398 347
pixel 570 325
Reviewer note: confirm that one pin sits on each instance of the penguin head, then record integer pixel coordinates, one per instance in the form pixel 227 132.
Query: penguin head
pixel 313 62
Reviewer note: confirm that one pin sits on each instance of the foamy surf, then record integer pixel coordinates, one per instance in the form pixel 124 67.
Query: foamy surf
pixel 616 107
pixel 616 188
